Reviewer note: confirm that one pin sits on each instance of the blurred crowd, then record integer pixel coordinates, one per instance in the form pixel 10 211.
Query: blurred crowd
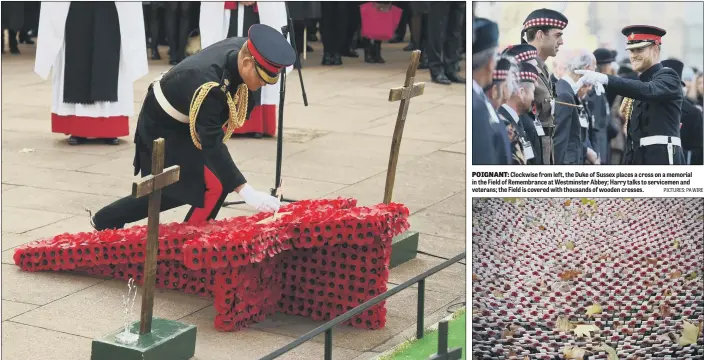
pixel 530 105
pixel 436 28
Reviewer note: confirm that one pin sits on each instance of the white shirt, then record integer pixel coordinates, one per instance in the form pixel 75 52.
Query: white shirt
pixel 511 112
pixel 573 84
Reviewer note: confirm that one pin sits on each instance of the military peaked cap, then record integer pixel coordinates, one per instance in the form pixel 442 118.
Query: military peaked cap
pixel 270 50
pixel 638 36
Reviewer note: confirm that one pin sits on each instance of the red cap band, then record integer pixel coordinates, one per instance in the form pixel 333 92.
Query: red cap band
pixel 262 61
pixel 642 37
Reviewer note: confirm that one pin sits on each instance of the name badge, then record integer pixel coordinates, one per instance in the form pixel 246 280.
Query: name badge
pixel 539 127
pixel 527 149
pixel 583 121
pixel 552 107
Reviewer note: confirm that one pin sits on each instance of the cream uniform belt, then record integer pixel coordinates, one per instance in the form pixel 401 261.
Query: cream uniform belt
pixel 161 99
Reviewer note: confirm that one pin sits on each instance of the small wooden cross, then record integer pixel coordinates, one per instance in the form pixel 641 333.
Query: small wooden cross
pixel 405 93
pixel 443 352
pixel 151 185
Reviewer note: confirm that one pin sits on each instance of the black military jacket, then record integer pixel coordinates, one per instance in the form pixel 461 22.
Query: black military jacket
pixel 217 63
pixel 656 111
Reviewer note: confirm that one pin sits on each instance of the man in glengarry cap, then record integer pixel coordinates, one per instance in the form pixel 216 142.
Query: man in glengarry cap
pixel 543 29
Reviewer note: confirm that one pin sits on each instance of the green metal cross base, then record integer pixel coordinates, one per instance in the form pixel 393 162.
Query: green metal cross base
pixel 168 340
pixel 404 247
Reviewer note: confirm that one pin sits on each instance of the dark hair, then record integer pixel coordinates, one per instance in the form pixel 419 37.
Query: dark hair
pixel 530 33
pixel 603 67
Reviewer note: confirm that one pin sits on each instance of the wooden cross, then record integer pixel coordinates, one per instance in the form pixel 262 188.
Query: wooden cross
pixel 151 185
pixel 443 352
pixel 405 93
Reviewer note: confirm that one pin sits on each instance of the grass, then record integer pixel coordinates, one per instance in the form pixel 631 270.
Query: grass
pixel 427 346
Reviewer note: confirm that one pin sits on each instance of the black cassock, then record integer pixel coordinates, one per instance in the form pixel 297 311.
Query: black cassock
pixel 655 118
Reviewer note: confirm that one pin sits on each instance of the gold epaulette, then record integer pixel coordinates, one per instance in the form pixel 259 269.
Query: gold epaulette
pixel 237 107
pixel 626 109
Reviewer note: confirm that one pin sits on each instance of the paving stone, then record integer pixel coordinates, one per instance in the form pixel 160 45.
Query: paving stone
pixel 293 187
pixel 252 343
pixel 18 140
pixel 6 187
pixel 12 240
pixel 460 147
pixel 74 224
pixel 7 257
pixel 440 164
pixel 439 224
pixel 427 125
pixel 449 280
pixel 338 173
pixel 415 191
pixel 68 180
pixel 40 288
pixel 330 118
pixel 11 309
pixel 20 340
pixel 440 246
pixel 59 201
pixel 405 302
pixel 455 205
pixel 19 220
pixel 343 336
pixel 98 310
pixel 120 168
pixel 52 159
pixel 369 355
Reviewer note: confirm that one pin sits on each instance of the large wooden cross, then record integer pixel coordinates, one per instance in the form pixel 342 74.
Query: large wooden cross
pixel 405 93
pixel 151 185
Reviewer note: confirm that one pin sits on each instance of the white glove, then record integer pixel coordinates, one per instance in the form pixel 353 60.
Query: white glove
pixel 599 89
pixel 592 77
pixel 261 201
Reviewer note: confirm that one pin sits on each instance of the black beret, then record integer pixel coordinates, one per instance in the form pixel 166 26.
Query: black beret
pixel 638 36
pixel 603 56
pixel 487 35
pixel 521 52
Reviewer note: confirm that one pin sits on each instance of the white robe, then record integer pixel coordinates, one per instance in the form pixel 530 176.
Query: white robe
pixel 133 58
pixel 212 30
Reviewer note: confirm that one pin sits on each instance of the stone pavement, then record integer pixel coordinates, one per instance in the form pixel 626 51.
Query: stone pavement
pixel 337 146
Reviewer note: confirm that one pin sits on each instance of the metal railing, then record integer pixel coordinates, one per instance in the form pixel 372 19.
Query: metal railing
pixel 327 327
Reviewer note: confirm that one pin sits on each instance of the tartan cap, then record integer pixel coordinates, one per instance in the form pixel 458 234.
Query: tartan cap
pixel 503 65
pixel 543 18
pixel 521 52
pixel 527 72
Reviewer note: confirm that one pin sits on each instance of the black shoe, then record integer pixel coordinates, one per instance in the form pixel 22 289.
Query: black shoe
pixel 155 54
pixel 312 37
pixel 336 59
pixel 396 39
pixel 441 79
pixel 327 59
pixel 173 62
pixel 14 50
pixel 112 141
pixel 75 140
pixel 257 135
pixel 309 48
pixel 423 63
pixel 411 46
pixel 456 78
pixel 349 53
pixel 369 56
pixel 377 53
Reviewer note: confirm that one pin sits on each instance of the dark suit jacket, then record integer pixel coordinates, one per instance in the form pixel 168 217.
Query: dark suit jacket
pixel 532 135
pixel 692 132
pixel 483 149
pixel 570 136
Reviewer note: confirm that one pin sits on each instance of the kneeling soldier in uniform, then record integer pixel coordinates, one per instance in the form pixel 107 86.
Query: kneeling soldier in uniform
pixel 195 107
pixel 655 99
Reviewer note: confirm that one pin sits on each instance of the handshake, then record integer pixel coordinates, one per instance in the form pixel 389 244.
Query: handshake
pixel 259 200
pixel 593 78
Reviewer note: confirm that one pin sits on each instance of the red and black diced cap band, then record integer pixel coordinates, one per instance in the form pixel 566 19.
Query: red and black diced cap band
pixel 501 71
pixel 521 52
pixel 527 72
